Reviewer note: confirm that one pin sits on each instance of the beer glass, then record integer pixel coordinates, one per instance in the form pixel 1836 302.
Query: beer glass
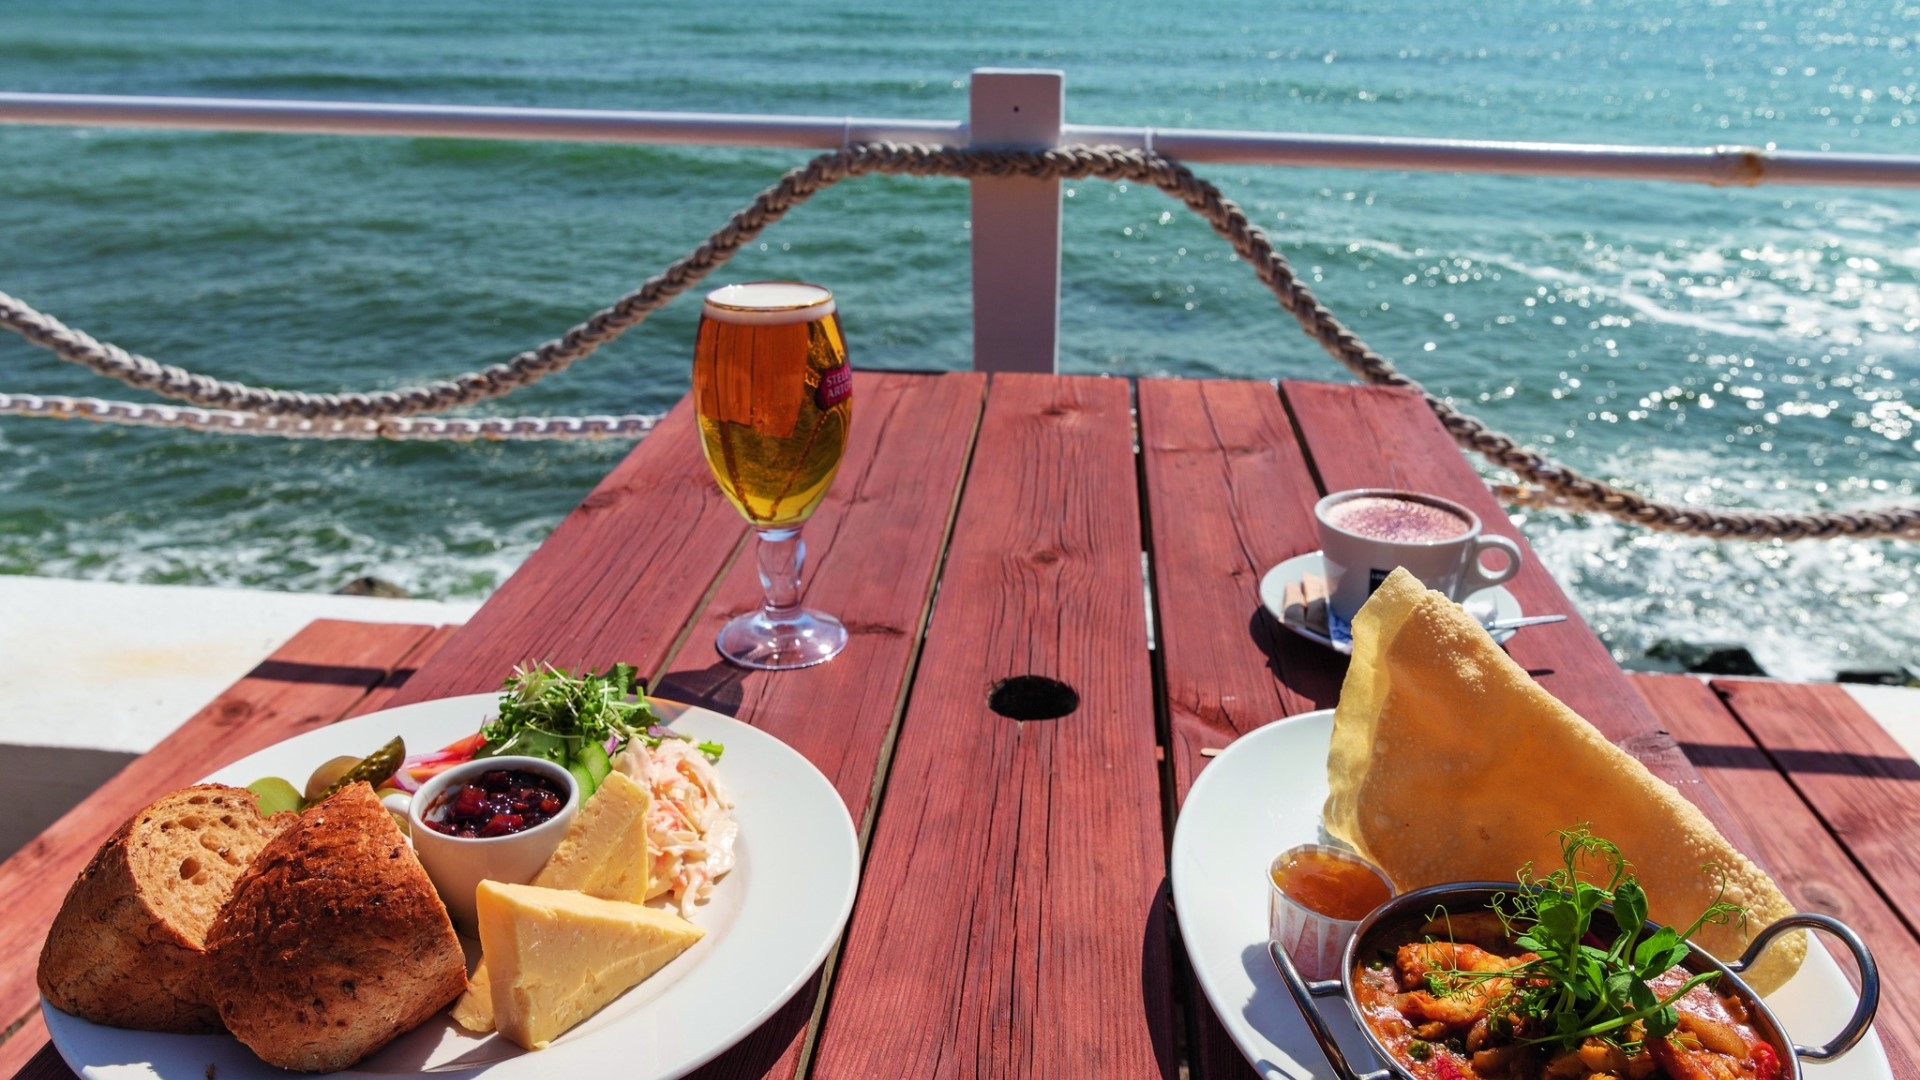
pixel 775 398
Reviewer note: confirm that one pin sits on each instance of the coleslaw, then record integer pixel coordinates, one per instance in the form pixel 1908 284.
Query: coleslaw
pixel 690 828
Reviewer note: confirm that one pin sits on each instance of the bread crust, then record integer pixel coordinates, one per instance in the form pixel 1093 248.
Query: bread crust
pixel 127 947
pixel 334 941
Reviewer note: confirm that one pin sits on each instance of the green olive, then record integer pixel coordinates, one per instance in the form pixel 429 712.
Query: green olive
pixel 275 795
pixel 327 775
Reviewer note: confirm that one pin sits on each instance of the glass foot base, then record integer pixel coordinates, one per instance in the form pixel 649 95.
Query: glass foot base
pixel 802 639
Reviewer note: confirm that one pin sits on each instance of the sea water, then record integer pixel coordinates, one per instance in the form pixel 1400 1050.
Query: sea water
pixel 1727 347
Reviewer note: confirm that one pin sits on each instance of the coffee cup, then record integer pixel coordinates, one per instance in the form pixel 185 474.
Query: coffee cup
pixel 1366 533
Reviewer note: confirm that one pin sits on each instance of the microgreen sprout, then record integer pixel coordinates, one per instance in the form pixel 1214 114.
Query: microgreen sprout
pixel 1582 987
pixel 594 707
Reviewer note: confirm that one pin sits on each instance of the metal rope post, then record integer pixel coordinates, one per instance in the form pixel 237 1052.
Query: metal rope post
pixel 1016 223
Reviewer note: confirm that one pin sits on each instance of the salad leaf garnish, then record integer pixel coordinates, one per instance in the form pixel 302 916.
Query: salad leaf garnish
pixel 541 705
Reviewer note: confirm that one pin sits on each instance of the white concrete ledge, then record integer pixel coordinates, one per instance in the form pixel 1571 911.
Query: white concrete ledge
pixel 1898 710
pixel 112 667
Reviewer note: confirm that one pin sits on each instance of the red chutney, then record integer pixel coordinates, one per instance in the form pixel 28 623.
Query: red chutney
pixel 1436 1034
pixel 498 802
pixel 1331 885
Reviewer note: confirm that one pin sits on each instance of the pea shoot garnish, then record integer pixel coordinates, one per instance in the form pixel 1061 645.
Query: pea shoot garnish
pixel 549 712
pixel 1582 987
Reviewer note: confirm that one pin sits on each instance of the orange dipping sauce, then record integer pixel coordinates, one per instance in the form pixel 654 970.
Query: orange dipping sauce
pixel 1336 886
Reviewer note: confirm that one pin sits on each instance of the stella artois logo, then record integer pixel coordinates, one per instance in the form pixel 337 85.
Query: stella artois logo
pixel 836 386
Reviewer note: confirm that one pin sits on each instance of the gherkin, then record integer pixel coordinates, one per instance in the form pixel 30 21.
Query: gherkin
pixel 373 768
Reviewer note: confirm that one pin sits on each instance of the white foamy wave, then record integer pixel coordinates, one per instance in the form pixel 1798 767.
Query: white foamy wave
pixel 463 561
pixel 1805 609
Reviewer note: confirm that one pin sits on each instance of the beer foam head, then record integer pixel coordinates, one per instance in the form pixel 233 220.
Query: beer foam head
pixel 769 303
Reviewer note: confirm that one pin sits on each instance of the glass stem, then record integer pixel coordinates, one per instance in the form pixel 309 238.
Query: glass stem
pixel 782 556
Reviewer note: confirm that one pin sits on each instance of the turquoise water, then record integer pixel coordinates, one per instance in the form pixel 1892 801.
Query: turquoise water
pixel 1736 347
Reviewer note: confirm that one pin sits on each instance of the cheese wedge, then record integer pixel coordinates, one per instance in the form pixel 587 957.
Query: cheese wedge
pixel 604 854
pixel 555 957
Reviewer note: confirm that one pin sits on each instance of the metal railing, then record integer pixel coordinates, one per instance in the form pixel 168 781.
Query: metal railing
pixel 1016 222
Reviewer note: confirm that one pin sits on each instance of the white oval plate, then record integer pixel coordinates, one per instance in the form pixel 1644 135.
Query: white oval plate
pixel 769 923
pixel 1262 795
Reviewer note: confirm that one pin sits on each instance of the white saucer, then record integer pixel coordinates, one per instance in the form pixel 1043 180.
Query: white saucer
pixel 1273 596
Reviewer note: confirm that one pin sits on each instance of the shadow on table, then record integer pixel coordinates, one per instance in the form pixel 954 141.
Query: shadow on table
pixel 294 671
pixel 40 783
pixel 1308 668
pixel 1159 969
pixel 716 687
pixel 1748 756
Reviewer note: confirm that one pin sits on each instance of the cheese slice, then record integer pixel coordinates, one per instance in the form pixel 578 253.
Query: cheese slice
pixel 604 854
pixel 555 957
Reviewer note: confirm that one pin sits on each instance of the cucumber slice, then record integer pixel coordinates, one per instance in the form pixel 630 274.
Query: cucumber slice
pixel 594 757
pixel 588 785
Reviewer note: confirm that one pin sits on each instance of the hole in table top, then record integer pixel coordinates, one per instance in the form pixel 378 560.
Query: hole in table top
pixel 1033 697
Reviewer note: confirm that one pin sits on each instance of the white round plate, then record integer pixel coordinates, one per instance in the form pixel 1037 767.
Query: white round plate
pixel 769 923
pixel 1262 795
pixel 1273 597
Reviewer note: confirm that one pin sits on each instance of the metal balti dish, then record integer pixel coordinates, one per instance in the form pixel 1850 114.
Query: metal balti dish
pixel 1397 922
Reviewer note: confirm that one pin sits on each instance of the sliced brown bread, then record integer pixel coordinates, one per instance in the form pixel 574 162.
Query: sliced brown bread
pixel 127 947
pixel 334 941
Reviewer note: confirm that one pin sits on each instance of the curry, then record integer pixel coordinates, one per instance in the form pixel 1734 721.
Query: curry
pixel 1561 978
pixel 1443 1006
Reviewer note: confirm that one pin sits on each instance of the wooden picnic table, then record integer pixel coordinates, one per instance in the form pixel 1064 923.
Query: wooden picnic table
pixel 1014 916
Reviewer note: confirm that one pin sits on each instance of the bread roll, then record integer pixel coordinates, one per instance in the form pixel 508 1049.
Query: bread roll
pixel 334 941
pixel 127 947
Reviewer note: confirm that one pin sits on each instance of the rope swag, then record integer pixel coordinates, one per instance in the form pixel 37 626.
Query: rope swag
pixel 1543 481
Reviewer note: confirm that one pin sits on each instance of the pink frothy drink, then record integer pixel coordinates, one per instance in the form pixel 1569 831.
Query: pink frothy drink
pixel 1400 520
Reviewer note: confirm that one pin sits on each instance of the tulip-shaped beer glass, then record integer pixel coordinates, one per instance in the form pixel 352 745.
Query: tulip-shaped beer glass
pixel 775 398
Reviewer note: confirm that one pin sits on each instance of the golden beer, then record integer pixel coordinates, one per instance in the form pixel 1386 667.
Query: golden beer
pixel 774 397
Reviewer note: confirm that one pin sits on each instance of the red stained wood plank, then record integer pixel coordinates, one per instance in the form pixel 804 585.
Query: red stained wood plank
pixel 1229 497
pixel 381 697
pixel 312 680
pixel 1011 919
pixel 1814 870
pixel 1860 781
pixel 619 579
pixel 29 1052
pixel 873 549
pixel 1387 437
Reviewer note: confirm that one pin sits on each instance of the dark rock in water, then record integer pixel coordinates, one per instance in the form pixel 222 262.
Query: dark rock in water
pixel 1729 660
pixel 1663 665
pixel 1706 658
pixel 1891 675
pixel 372 586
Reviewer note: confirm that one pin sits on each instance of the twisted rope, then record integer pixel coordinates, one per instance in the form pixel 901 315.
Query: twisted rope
pixel 412 429
pixel 1558 484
